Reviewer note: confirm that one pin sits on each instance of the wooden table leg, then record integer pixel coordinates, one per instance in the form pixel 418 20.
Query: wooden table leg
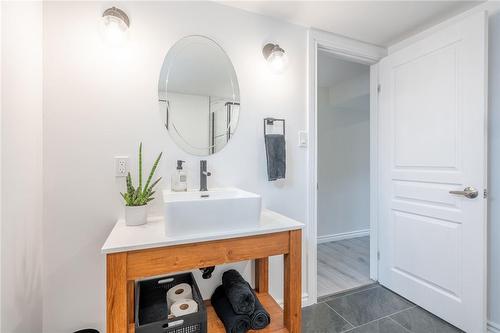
pixel 116 293
pixel 262 275
pixel 131 301
pixel 293 283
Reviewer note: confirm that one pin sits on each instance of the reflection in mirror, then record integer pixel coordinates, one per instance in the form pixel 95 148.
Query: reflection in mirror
pixel 199 95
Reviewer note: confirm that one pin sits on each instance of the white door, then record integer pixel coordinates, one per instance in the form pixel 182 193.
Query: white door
pixel 432 129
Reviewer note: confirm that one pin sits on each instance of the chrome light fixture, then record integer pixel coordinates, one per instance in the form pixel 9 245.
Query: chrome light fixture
pixel 116 24
pixel 276 57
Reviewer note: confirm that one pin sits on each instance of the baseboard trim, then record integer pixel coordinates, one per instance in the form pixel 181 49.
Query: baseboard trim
pixel 343 235
pixel 305 300
pixel 493 327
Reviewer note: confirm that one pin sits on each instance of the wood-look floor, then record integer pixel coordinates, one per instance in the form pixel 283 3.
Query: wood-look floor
pixel 343 265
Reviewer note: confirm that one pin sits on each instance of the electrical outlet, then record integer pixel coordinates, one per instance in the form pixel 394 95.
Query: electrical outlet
pixel 121 166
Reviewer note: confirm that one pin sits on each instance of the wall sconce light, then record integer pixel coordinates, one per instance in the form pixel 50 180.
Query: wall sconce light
pixel 116 24
pixel 276 57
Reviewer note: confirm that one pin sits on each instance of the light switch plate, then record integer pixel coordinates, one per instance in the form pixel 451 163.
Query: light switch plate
pixel 121 166
pixel 302 139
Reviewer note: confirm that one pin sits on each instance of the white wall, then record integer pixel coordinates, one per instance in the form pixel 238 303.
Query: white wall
pixel 494 167
pixel 101 101
pixel 343 154
pixel 21 137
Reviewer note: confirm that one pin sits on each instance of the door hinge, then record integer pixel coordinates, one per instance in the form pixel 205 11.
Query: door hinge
pixel 485 193
pixel 379 88
pixel 378 255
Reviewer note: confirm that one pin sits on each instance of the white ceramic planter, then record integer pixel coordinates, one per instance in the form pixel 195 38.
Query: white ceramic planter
pixel 135 215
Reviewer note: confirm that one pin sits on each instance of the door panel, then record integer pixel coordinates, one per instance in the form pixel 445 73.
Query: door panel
pixel 422 86
pixel 432 113
pixel 419 259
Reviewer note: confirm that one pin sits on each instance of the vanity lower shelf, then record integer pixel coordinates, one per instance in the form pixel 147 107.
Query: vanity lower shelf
pixel 216 326
pixel 276 312
pixel 138 253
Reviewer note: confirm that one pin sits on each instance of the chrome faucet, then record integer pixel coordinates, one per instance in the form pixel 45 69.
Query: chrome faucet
pixel 203 175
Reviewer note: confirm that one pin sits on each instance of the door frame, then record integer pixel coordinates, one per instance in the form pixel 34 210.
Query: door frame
pixel 351 50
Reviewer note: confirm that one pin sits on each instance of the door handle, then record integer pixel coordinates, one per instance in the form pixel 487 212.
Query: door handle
pixel 468 192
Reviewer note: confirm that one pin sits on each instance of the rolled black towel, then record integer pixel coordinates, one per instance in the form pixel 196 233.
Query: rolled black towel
pixel 238 292
pixel 233 322
pixel 260 318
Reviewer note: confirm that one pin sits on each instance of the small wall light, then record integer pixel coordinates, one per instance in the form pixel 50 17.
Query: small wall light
pixel 276 57
pixel 116 24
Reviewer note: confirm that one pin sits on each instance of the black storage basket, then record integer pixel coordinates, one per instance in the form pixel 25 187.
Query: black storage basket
pixel 151 310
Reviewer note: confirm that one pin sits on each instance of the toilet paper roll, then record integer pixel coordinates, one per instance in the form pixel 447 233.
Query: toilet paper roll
pixel 178 292
pixel 183 307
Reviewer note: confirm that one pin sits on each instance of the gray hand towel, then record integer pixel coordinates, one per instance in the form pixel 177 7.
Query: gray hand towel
pixel 276 156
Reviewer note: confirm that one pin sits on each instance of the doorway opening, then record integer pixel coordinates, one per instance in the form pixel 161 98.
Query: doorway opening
pixel 343 174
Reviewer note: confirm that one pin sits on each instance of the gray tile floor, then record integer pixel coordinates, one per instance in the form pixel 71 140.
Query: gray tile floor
pixel 370 309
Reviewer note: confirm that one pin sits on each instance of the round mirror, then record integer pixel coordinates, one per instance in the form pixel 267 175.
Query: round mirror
pixel 199 95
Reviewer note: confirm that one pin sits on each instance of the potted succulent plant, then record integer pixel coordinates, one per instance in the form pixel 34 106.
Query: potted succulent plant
pixel 137 198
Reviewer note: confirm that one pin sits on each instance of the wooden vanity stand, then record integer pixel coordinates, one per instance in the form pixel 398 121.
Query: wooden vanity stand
pixel 124 266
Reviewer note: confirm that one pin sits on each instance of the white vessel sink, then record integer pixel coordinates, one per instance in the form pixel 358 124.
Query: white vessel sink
pixel 213 211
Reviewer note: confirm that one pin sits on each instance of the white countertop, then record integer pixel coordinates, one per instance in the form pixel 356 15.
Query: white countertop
pixel 152 234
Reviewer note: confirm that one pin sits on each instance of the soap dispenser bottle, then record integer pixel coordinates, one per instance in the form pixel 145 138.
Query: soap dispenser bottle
pixel 179 178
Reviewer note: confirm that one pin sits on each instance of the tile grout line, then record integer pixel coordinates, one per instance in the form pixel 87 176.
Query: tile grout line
pixel 354 326
pixel 388 316
pixel 347 321
pixel 392 314
pixel 407 330
pixel 367 288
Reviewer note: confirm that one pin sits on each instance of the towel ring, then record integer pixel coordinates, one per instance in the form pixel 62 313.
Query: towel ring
pixel 270 121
